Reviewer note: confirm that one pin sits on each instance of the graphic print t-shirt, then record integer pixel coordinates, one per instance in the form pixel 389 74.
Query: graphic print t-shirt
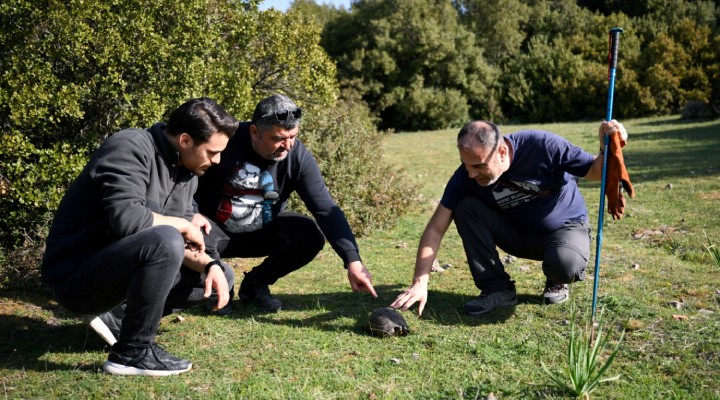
pixel 244 195
pixel 538 193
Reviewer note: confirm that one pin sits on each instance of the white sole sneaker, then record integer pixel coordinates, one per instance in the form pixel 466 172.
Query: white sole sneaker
pixel 99 326
pixel 119 369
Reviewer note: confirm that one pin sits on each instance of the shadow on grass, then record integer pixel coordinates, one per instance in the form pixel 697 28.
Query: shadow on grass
pixel 694 155
pixel 25 343
pixel 334 311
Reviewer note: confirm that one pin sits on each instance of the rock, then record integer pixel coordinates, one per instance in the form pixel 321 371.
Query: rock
pixel 395 360
pixel 436 267
pixel 508 259
pixel 636 266
pixel 669 186
pixel 677 304
pixel 401 245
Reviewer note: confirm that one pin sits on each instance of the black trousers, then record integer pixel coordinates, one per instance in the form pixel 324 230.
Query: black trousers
pixel 143 270
pixel 564 253
pixel 289 242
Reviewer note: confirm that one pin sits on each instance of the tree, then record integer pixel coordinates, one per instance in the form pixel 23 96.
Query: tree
pixel 405 58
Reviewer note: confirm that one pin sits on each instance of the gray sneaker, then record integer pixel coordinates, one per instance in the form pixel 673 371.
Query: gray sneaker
pixel 487 302
pixel 555 293
pixel 144 360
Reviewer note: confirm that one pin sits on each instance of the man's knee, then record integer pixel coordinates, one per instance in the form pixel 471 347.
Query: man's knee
pixel 564 265
pixel 308 233
pixel 170 240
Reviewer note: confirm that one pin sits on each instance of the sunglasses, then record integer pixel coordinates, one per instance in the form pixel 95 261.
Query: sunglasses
pixel 284 115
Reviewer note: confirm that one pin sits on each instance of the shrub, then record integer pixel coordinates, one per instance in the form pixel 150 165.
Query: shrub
pixel 696 109
pixel 348 149
pixel 32 183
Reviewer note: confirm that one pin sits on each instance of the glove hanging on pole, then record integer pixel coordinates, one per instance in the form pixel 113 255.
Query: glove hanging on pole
pixel 617 178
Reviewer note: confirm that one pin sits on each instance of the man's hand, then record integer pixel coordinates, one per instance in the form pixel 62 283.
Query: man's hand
pixel 360 278
pixel 418 292
pixel 610 128
pixel 201 222
pixel 215 279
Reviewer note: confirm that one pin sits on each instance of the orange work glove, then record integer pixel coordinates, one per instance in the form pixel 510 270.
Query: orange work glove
pixel 617 178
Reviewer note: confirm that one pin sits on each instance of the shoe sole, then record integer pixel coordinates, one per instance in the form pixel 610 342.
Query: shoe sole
pixel 551 301
pixel 119 369
pixel 511 303
pixel 99 326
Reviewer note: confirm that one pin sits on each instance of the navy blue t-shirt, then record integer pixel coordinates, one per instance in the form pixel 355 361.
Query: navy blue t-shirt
pixel 538 193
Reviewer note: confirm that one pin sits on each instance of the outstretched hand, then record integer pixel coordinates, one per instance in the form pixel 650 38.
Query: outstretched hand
pixel 418 292
pixel 360 278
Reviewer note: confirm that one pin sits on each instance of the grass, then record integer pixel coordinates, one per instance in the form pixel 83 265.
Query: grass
pixel 653 261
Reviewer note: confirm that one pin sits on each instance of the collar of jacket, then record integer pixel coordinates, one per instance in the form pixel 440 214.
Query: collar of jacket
pixel 168 151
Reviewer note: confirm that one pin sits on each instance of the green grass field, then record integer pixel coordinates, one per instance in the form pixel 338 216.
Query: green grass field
pixel 657 281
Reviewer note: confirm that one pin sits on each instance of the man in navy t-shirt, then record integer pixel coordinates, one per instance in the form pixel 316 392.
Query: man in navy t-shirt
pixel 518 193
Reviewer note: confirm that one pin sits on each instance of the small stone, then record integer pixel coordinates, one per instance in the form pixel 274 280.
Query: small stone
pixel 395 360
pixel 415 356
pixel 705 311
pixel 490 396
pixel 508 259
pixel 401 245
pixel 354 353
pixel 669 186
pixel 636 266
pixel 447 266
pixel 677 304
pixel 179 319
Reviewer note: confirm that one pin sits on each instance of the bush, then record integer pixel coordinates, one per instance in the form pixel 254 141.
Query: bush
pixel 696 110
pixel 348 149
pixel 32 183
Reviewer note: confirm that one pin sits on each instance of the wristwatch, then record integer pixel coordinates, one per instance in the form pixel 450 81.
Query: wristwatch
pixel 214 262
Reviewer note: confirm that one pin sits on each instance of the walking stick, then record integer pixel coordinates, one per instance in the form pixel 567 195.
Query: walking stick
pixel 612 66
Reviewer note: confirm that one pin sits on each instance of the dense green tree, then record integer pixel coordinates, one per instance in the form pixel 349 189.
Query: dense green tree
pixel 404 57
pixel 498 25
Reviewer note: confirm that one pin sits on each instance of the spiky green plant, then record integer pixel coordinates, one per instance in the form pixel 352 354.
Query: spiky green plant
pixel 714 251
pixel 584 365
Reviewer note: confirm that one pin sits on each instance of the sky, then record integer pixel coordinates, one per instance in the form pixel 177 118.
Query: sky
pixel 282 5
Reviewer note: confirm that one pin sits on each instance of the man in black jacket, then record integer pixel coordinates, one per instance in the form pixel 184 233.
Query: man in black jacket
pixel 125 237
pixel 246 194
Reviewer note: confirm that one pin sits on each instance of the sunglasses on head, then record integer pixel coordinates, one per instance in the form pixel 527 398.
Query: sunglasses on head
pixel 284 115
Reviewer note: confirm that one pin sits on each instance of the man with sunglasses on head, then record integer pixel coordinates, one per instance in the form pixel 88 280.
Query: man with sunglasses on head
pixel 517 192
pixel 245 197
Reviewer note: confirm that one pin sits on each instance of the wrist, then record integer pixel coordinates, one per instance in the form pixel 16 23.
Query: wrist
pixel 210 265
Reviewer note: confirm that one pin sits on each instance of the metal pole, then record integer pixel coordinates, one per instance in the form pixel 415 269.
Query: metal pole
pixel 612 67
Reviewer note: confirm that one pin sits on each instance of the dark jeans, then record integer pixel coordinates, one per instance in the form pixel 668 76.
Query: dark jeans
pixel 564 253
pixel 289 242
pixel 142 270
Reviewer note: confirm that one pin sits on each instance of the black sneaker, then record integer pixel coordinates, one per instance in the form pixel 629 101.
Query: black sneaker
pixel 144 360
pixel 107 324
pixel 259 294
pixel 555 293
pixel 487 302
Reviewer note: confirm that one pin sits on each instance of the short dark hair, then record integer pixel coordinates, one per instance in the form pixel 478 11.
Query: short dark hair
pixel 267 109
pixel 478 133
pixel 201 118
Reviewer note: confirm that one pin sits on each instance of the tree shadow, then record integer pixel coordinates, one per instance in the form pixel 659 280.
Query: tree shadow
pixel 695 154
